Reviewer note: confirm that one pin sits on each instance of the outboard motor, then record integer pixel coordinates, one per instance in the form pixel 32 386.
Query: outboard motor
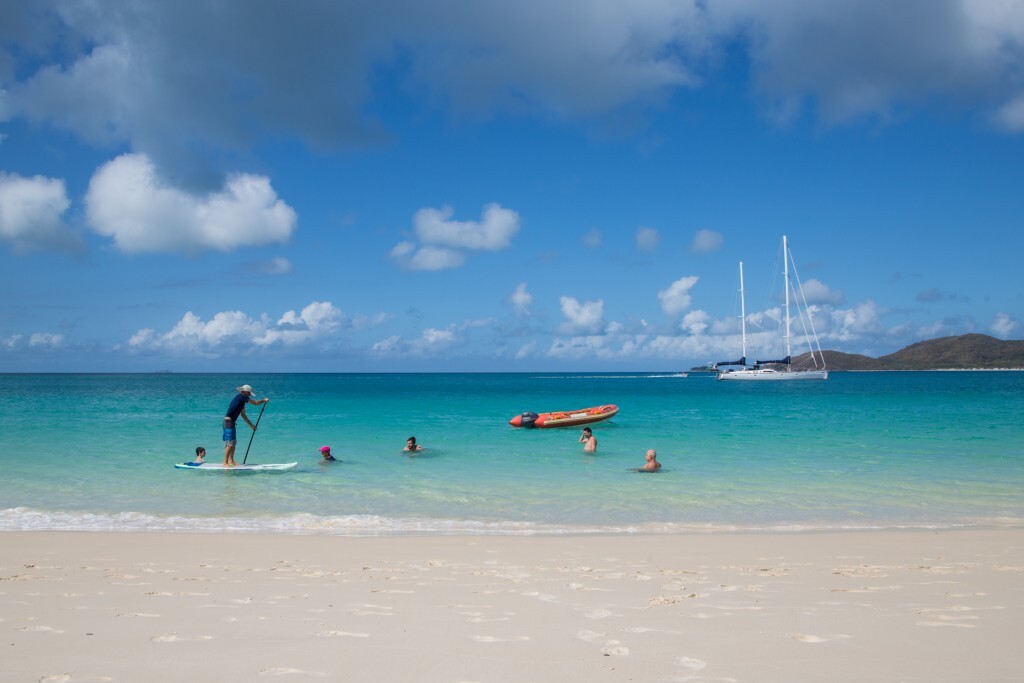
pixel 527 419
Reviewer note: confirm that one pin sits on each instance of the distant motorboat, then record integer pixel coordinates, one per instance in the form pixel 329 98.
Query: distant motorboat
pixel 774 370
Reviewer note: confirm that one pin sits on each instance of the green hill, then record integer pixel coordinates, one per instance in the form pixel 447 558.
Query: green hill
pixel 964 352
pixel 837 360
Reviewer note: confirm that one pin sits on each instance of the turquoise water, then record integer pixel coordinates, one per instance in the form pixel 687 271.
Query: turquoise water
pixel 862 450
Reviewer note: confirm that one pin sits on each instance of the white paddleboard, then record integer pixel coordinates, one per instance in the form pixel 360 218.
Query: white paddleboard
pixel 220 467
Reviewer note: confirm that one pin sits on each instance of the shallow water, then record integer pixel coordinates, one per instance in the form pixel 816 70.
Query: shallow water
pixel 861 450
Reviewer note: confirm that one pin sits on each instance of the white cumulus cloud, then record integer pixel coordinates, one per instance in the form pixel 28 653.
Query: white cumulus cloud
pixel 443 242
pixel 316 320
pixel 521 299
pixel 431 342
pixel 46 339
pixel 677 298
pixel 31 211
pixel 222 333
pixel 128 202
pixel 493 232
pixel 695 322
pixel 581 318
pixel 817 292
pixel 1003 325
pixel 426 258
pixel 861 320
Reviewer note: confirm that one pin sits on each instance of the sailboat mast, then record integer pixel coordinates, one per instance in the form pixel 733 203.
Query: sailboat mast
pixel 785 277
pixel 743 315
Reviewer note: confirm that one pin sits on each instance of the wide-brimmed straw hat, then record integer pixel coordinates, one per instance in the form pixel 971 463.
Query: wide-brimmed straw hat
pixel 246 388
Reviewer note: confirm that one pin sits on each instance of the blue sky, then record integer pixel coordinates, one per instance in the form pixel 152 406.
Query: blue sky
pixel 450 186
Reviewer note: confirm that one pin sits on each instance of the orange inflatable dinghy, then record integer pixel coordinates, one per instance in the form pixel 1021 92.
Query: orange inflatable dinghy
pixel 565 418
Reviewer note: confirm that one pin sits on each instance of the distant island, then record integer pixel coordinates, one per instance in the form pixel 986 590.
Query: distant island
pixel 964 352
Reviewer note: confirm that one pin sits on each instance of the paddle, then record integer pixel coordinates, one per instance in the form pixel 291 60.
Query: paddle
pixel 255 427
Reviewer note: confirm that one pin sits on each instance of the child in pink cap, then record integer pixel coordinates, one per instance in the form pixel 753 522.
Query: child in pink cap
pixel 326 452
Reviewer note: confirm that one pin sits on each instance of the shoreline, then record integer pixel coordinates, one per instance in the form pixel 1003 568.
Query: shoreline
pixel 366 525
pixel 763 606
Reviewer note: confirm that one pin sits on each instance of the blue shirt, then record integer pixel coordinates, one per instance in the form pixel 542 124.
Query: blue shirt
pixel 237 403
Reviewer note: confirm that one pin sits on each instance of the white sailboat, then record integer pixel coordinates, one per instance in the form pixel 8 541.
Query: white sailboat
pixel 769 370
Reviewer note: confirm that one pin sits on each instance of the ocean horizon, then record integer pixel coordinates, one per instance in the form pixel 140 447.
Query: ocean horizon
pixel 863 450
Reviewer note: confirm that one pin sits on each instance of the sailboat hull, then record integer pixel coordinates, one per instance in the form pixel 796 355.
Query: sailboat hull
pixel 767 375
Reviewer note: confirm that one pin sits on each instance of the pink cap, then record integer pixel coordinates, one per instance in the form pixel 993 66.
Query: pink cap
pixel 325 449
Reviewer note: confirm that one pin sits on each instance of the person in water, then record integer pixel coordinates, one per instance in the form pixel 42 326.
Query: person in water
pixel 652 464
pixel 200 455
pixel 411 445
pixel 588 440
pixel 236 408
pixel 325 451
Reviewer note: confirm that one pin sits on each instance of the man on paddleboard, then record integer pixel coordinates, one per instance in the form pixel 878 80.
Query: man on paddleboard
pixel 236 408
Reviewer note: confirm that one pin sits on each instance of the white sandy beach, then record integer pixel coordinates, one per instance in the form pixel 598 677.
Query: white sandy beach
pixel 864 606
